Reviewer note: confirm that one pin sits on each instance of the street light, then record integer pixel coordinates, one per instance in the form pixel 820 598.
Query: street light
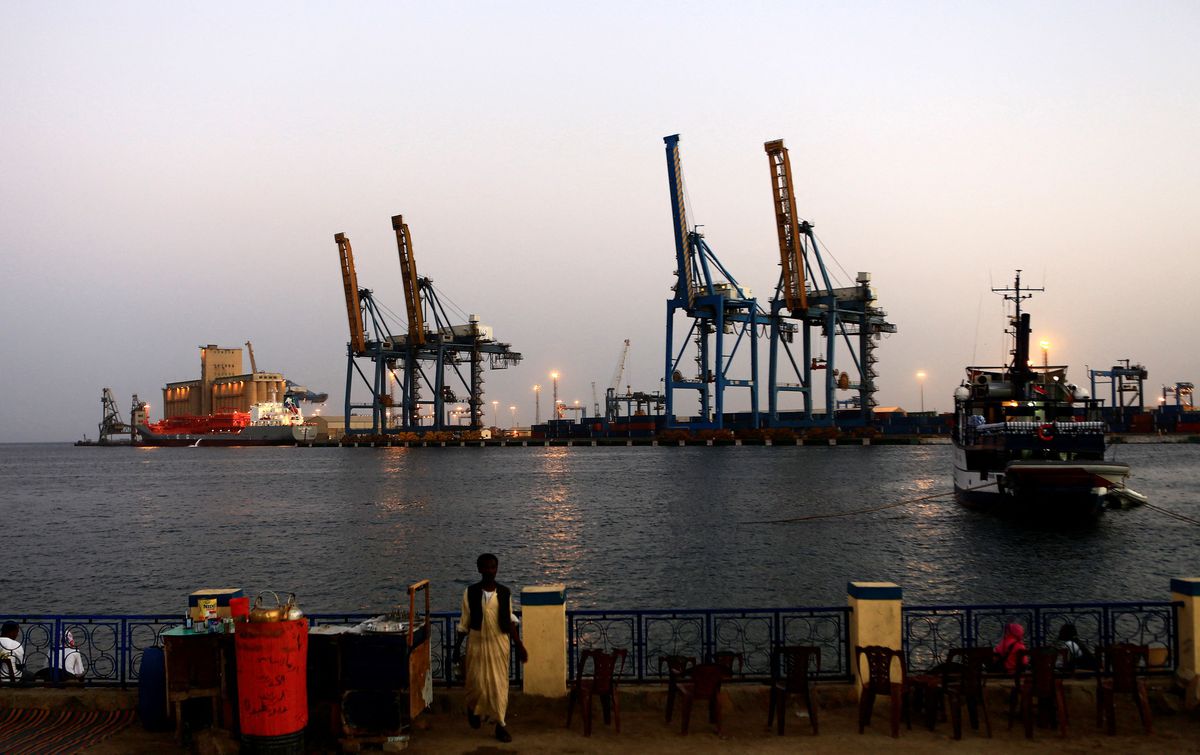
pixel 513 411
pixel 557 411
pixel 1045 357
pixel 537 404
pixel 495 408
pixel 921 380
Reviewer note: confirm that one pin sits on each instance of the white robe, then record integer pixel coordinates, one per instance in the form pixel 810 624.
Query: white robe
pixel 487 660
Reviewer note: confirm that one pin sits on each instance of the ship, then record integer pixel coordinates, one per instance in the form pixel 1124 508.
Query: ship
pixel 269 423
pixel 1030 443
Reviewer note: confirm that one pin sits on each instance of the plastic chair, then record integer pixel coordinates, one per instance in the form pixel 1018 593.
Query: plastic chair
pixel 1038 676
pixel 1118 675
pixel 726 658
pixel 879 682
pixel 678 667
pixel 964 676
pixel 602 683
pixel 790 676
pixel 704 683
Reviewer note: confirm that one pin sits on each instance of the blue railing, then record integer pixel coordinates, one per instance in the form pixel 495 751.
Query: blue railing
pixel 931 631
pixel 702 633
pixel 111 647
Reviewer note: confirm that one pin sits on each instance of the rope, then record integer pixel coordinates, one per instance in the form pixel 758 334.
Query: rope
pixel 1172 514
pixel 871 510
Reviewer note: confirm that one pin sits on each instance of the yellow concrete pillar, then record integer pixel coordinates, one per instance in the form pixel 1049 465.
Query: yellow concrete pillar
pixel 874 620
pixel 1187 591
pixel 544 632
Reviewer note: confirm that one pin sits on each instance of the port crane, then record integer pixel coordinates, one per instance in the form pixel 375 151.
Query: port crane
pixel 848 314
pixel 724 317
pixel 426 362
pixel 611 405
pixel 111 424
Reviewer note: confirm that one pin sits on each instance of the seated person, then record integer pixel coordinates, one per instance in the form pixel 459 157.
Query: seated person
pixel 1007 655
pixel 1078 656
pixel 12 653
pixel 66 659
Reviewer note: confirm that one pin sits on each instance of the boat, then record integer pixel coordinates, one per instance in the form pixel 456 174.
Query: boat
pixel 1029 442
pixel 270 423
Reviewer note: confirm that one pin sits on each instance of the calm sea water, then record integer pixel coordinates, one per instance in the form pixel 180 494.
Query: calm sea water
pixel 119 530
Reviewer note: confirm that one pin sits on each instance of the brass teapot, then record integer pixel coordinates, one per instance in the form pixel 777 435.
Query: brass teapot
pixel 260 613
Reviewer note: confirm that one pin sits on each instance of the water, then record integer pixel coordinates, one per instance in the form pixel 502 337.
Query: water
pixel 118 530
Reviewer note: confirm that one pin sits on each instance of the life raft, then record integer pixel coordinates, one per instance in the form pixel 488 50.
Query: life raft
pixel 1046 432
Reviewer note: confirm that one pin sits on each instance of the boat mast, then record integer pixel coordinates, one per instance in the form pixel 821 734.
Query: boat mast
pixel 1020 372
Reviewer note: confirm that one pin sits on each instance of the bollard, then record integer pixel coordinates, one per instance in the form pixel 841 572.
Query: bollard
pixel 874 620
pixel 544 632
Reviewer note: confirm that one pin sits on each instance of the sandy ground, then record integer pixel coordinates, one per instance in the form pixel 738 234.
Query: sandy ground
pixel 538 726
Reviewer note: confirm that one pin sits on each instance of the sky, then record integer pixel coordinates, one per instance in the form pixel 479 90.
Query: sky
pixel 174 176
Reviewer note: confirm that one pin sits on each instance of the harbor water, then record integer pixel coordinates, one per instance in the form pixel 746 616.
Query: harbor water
pixel 133 530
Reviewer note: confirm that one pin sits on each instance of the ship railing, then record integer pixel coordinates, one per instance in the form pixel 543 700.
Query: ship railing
pixel 930 632
pixel 112 646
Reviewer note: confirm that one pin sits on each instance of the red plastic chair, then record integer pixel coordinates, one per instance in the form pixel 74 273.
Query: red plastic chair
pixel 602 683
pixel 964 678
pixel 790 676
pixel 703 683
pixel 1038 676
pixel 1118 675
pixel 678 668
pixel 878 682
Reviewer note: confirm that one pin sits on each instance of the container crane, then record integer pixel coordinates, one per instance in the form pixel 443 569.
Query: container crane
pixel 427 360
pixel 611 406
pixel 724 318
pixel 840 313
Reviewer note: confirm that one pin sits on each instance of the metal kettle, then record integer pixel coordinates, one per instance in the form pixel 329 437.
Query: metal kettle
pixel 260 613
pixel 291 611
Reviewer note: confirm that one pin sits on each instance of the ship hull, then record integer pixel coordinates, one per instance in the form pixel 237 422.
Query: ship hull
pixel 275 435
pixel 1040 489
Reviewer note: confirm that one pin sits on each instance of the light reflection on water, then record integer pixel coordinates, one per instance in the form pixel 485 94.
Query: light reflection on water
pixel 117 530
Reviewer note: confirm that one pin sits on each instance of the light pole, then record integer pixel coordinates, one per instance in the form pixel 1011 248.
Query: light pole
pixel 537 404
pixel 513 411
pixel 495 408
pixel 921 381
pixel 554 379
pixel 1045 359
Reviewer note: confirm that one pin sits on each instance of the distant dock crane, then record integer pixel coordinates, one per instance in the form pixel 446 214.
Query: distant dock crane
pixel 429 362
pixel 724 318
pixel 847 314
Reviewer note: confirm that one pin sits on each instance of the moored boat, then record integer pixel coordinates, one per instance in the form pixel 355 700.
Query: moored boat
pixel 269 423
pixel 1029 442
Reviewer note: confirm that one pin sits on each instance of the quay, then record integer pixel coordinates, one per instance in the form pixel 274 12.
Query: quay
pixel 874 615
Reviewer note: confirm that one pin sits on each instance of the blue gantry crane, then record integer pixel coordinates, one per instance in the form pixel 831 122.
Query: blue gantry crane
pixel 724 318
pixel 846 314
pixel 425 362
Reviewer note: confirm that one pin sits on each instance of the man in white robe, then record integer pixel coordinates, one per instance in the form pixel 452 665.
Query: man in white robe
pixel 491 628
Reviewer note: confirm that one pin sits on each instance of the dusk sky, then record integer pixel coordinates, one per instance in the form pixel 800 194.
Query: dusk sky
pixel 173 176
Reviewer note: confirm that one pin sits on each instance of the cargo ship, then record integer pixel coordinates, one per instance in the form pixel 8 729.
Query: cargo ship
pixel 270 423
pixel 1030 443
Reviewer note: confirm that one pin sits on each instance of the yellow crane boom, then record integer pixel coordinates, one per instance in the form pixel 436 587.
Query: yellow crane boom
pixel 412 286
pixel 358 341
pixel 786 223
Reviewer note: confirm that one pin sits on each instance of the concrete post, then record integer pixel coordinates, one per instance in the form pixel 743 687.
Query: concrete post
pixel 544 631
pixel 1187 591
pixel 874 620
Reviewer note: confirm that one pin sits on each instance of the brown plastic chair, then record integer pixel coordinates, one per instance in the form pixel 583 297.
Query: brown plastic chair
pixel 1118 675
pixel 964 676
pixel 705 683
pixel 678 668
pixel 879 682
pixel 602 684
pixel 790 676
pixel 726 658
pixel 1038 677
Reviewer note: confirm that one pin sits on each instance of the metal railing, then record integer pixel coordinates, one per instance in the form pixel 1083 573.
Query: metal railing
pixel 702 633
pixel 111 647
pixel 931 631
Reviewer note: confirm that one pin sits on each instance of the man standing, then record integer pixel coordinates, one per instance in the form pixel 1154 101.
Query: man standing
pixel 490 625
pixel 12 654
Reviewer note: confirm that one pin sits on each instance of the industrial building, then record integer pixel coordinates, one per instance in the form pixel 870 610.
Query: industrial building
pixel 224 386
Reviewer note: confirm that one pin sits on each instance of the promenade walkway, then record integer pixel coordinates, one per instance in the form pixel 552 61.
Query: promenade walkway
pixel 538 726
